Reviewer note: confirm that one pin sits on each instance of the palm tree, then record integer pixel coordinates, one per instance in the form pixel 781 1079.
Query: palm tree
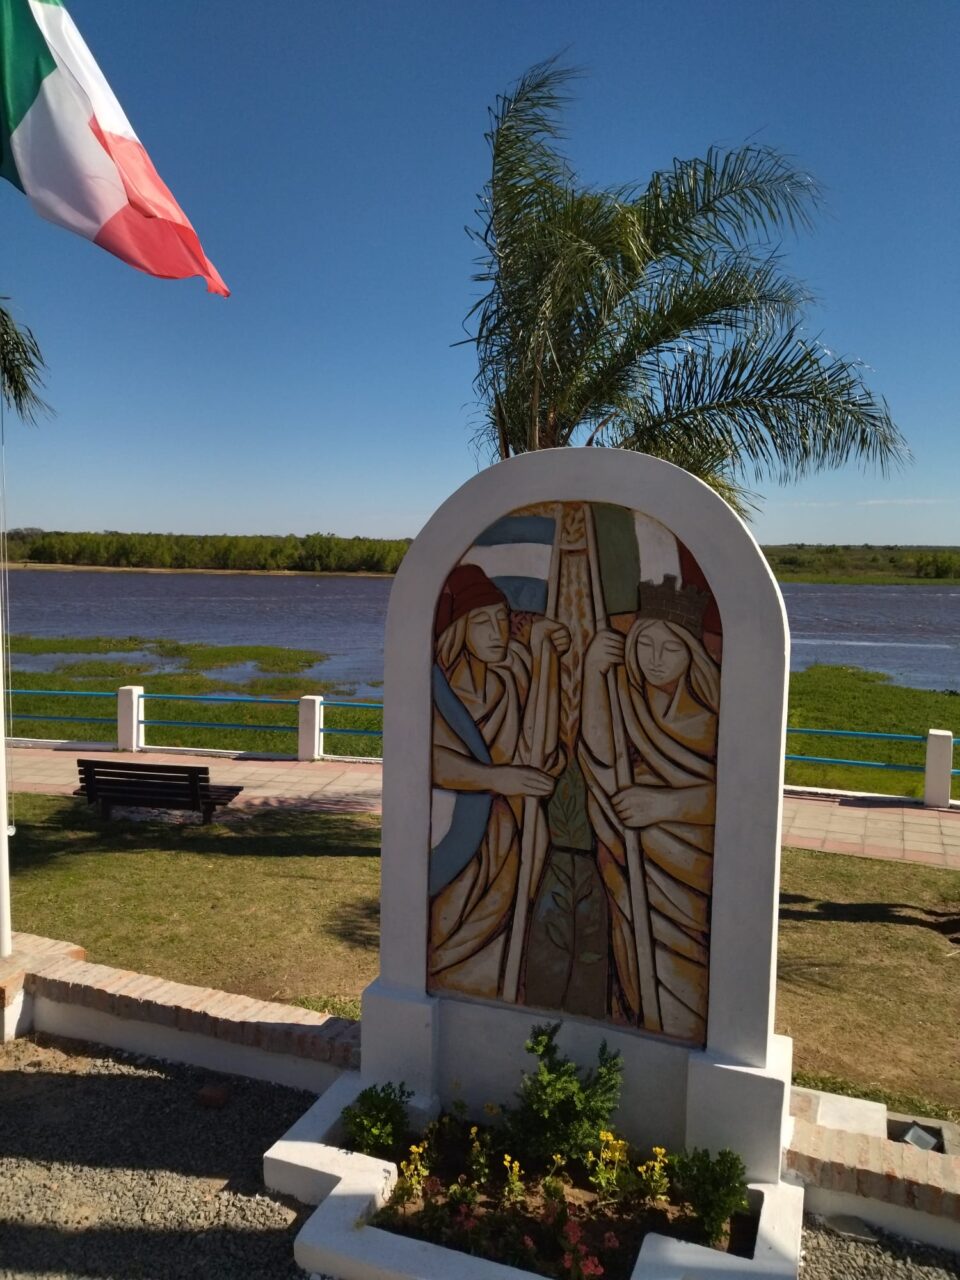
pixel 21 366
pixel 656 318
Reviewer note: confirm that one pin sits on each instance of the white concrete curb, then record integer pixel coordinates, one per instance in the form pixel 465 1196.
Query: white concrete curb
pixel 350 1188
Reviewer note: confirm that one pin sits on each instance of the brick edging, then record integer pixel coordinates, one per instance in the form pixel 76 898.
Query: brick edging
pixel 875 1168
pixel 65 977
pixel 31 954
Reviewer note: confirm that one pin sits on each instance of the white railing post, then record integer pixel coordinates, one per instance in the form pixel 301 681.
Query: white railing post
pixel 310 727
pixel 937 769
pixel 129 728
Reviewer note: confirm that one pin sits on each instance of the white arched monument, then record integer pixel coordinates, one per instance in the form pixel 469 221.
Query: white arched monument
pixel 583 763
pixel 661 744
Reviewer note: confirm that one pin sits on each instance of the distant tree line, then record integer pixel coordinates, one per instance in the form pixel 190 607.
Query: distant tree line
pixel 329 553
pixel 314 553
pixel 892 561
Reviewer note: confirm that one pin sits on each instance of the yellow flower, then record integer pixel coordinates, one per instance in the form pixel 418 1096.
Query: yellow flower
pixel 473 1131
pixel 606 1135
pixel 506 1160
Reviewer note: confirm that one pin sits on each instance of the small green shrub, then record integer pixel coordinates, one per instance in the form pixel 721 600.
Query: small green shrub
pixel 713 1187
pixel 560 1111
pixel 377 1122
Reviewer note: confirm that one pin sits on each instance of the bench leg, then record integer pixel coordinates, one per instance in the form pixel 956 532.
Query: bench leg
pixel 105 809
pixel 207 814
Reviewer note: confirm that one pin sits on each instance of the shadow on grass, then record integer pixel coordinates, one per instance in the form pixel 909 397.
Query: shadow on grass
pixel 357 923
pixel 64 829
pixel 813 974
pixel 946 923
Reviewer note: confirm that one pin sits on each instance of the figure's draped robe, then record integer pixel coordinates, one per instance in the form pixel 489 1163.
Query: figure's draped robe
pixel 470 914
pixel 674 747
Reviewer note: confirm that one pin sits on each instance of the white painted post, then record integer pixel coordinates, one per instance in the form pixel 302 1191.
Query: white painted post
pixel 129 728
pixel 937 768
pixel 310 727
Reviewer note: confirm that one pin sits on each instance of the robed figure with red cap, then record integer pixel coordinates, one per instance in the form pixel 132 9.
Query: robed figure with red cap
pixel 495 712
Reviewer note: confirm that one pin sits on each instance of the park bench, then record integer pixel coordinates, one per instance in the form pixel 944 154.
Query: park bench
pixel 151 786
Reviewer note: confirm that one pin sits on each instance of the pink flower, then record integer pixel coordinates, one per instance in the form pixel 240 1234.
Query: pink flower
pixel 568 1261
pixel 590 1266
pixel 572 1231
pixel 528 1244
pixel 467 1220
pixel 610 1241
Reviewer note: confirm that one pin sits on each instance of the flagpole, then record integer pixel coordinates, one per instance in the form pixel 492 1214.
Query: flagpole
pixel 6 926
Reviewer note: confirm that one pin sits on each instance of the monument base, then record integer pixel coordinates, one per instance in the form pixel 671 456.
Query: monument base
pixel 468 1051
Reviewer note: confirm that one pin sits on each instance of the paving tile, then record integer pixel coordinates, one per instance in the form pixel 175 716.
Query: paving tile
pixel 930 857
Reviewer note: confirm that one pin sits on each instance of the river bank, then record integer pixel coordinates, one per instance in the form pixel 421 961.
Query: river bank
pixel 860 580
pixel 797 579
pixel 218 573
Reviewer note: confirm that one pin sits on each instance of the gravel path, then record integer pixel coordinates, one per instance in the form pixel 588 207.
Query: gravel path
pixel 125 1169
pixel 122 1168
pixel 829 1256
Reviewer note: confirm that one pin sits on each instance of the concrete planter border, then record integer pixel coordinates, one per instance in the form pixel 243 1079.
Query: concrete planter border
pixel 350 1188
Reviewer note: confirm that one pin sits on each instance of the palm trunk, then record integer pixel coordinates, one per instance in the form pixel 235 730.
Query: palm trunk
pixel 500 419
pixel 533 434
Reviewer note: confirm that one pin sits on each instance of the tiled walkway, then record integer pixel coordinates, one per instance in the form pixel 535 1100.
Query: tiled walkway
pixel 871 828
pixel 324 784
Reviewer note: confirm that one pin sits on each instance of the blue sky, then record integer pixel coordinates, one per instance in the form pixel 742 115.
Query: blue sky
pixel 329 157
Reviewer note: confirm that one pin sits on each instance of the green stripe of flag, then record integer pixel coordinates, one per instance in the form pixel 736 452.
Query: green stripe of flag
pixel 25 61
pixel 618 555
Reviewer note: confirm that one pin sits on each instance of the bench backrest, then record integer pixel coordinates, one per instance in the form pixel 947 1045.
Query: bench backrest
pixel 164 784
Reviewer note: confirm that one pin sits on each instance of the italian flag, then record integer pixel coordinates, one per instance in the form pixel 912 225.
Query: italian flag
pixel 65 142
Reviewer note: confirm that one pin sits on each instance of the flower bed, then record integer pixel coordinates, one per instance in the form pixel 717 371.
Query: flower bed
pixel 546 1186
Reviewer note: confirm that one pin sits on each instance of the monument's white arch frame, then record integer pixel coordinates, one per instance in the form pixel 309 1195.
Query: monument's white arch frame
pixel 673 1093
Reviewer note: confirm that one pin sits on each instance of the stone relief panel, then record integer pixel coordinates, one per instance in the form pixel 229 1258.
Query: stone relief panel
pixel 576 686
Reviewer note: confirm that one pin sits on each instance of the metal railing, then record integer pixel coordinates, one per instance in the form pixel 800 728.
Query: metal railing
pixel 860 764
pixel 64 693
pixel 131 723
pixel 937 769
pixel 131 720
pixel 218 724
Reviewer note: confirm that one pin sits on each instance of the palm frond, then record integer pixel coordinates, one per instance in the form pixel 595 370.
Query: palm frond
pixel 21 369
pixel 730 197
pixel 779 405
pixel 660 318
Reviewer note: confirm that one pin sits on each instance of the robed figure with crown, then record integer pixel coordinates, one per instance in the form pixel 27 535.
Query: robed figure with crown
pixel 660 688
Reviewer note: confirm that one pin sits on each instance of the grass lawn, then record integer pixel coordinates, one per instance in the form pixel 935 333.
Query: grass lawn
pixel 282 906
pixel 869 977
pixel 285 906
